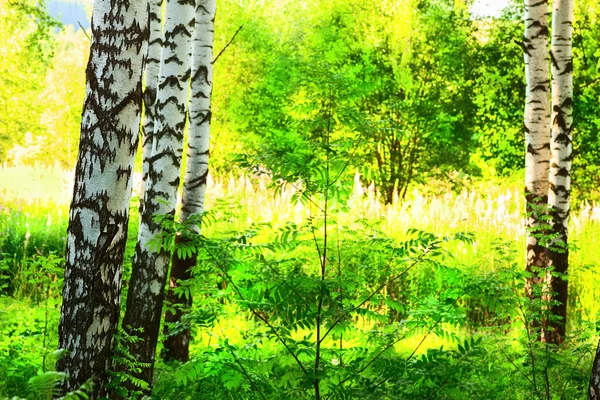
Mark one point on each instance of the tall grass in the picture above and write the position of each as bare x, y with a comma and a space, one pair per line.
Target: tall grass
34, 205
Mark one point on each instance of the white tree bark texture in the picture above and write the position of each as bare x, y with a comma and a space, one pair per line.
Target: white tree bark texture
152, 70
99, 212
559, 193
537, 129
149, 270
196, 168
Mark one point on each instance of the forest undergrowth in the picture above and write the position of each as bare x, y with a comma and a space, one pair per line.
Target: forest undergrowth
446, 318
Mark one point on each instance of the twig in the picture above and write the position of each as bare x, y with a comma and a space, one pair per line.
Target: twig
227, 45
84, 32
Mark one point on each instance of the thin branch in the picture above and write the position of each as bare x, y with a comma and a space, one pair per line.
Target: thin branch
303, 194
433, 327
254, 312
84, 32
245, 373
513, 363
285, 281
347, 378
369, 297
426, 335
227, 45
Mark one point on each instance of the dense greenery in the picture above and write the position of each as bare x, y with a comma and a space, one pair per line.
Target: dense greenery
462, 298
307, 280
419, 88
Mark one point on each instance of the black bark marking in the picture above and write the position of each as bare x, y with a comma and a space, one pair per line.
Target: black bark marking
541, 87
568, 68
524, 47
554, 62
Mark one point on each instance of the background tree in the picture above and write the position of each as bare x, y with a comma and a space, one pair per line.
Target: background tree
150, 264
394, 70
99, 213
176, 345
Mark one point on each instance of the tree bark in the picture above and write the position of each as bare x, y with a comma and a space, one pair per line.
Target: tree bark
151, 89
99, 212
150, 266
594, 388
537, 134
560, 166
196, 170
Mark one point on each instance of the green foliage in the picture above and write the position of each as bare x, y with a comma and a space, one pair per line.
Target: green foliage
27, 48
123, 383
26, 237
586, 88
28, 329
499, 95
345, 69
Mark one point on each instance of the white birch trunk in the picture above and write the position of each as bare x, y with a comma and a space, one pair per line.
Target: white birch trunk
146, 289
560, 164
152, 70
196, 169
99, 212
536, 127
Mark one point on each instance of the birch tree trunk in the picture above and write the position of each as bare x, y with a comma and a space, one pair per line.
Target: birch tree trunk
152, 70
560, 165
537, 133
149, 270
196, 168
99, 213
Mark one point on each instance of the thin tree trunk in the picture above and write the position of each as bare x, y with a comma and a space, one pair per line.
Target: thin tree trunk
560, 165
196, 169
150, 91
537, 134
99, 212
594, 388
150, 266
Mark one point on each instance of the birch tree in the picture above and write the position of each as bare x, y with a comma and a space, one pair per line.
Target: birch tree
150, 265
560, 165
537, 132
152, 70
196, 168
99, 212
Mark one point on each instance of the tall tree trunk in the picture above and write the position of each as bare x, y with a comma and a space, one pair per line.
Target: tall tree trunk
99, 212
150, 91
537, 133
594, 388
196, 168
560, 165
149, 270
